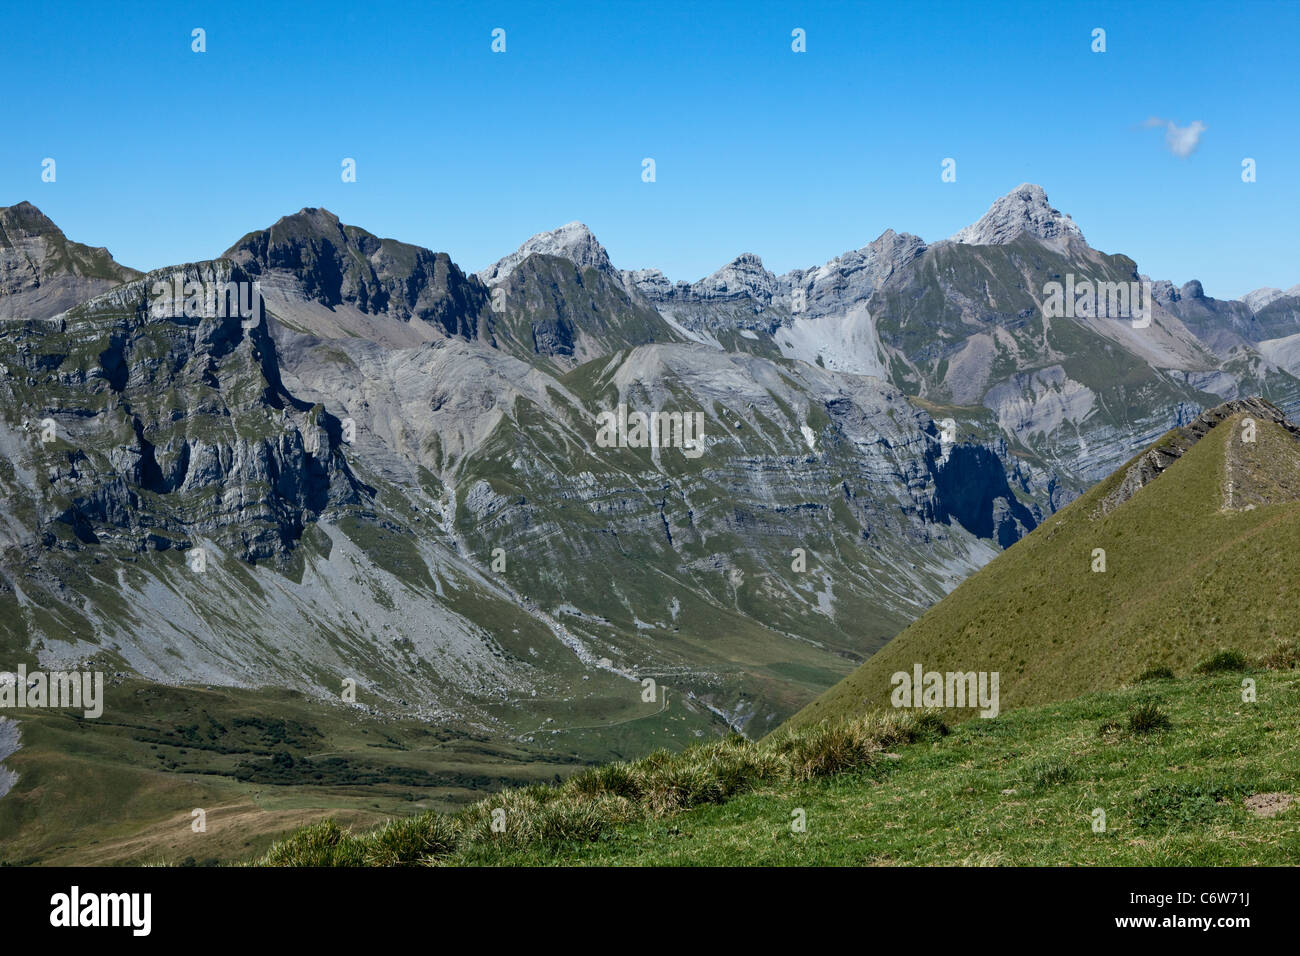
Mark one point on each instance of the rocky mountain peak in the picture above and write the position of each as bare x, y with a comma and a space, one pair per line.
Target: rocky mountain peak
1023, 210
853, 276
24, 221
742, 276
329, 262
43, 272
306, 225
317, 219
572, 241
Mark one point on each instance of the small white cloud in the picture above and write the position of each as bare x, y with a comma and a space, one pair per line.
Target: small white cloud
1181, 140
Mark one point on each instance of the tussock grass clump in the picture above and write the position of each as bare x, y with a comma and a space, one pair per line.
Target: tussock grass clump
321, 844
612, 779
830, 748
546, 818
1283, 657
1049, 772
1148, 718
520, 819
411, 841
1155, 673
1223, 661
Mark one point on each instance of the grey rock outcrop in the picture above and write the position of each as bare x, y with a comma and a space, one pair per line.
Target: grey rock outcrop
1260, 298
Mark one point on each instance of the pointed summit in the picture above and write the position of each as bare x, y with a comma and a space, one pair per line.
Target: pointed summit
23, 221
572, 241
852, 276
309, 222
1023, 210
310, 218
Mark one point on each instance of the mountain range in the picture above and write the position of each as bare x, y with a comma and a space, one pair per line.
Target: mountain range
392, 472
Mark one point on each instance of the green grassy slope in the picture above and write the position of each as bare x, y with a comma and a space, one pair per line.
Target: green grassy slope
1215, 785
1183, 577
121, 788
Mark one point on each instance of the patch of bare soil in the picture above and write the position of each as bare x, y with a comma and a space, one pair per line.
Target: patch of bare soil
1268, 804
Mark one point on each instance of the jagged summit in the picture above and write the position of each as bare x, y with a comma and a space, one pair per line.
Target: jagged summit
309, 222
742, 276
572, 241
315, 217
855, 274
1024, 209
24, 220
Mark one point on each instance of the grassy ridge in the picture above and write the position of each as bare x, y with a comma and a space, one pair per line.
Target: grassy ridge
1175, 766
1184, 577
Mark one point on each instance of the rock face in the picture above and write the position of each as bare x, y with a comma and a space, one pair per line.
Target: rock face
1024, 210
42, 273
823, 290
742, 278
8, 746
854, 276
163, 431
560, 313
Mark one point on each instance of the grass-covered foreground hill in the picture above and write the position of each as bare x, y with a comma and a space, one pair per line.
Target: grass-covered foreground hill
1191, 547
1169, 771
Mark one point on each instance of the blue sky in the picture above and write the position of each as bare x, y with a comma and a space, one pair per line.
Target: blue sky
165, 155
